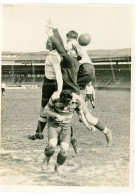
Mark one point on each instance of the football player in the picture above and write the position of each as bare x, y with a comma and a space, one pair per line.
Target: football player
59, 111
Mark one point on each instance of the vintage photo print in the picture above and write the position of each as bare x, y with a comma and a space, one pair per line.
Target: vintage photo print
67, 93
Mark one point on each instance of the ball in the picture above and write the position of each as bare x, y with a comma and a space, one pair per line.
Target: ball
84, 39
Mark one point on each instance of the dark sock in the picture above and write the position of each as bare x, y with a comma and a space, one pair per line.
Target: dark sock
61, 159
40, 127
49, 152
71, 131
100, 126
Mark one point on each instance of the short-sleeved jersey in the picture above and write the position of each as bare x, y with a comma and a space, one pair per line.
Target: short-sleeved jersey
56, 105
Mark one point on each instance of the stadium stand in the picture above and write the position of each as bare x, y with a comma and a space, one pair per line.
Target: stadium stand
113, 68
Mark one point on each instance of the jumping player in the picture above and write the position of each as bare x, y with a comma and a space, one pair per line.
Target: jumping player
52, 82
86, 71
59, 111
73, 64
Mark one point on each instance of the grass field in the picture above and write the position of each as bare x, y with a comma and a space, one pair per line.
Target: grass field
94, 165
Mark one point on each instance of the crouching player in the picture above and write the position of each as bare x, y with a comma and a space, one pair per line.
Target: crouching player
59, 111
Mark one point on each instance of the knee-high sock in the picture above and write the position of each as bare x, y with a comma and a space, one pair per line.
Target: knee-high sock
41, 124
61, 159
49, 152
93, 120
100, 126
40, 127
71, 131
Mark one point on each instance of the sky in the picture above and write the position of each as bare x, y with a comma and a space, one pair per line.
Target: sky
23, 25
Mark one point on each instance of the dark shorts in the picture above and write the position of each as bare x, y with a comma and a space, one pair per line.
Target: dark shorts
86, 74
48, 88
55, 129
3, 90
89, 97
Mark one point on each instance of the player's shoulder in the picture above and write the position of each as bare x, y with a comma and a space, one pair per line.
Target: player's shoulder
55, 54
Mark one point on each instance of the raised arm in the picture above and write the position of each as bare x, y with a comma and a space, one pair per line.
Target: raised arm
61, 50
57, 35
59, 45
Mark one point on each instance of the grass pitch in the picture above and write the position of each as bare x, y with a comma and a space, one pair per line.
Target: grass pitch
94, 165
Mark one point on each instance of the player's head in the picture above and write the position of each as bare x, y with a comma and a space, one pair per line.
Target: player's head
49, 45
66, 97
71, 35
90, 83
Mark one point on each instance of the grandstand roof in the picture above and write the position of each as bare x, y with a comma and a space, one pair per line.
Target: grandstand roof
94, 55
22, 56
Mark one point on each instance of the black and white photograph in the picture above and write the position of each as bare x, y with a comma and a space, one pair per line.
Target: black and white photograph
67, 92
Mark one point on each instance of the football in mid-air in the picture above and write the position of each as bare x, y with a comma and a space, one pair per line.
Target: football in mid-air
84, 39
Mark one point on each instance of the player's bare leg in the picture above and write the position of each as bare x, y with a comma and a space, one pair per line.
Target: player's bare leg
100, 126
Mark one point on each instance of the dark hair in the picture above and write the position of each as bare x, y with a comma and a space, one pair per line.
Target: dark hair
66, 96
52, 44
72, 34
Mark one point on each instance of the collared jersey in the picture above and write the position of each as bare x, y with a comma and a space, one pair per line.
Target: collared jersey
56, 105
80, 50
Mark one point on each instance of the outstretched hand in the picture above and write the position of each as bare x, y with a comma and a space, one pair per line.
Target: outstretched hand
48, 31
50, 24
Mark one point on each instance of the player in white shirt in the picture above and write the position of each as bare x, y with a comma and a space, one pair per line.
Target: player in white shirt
86, 71
89, 94
52, 82
3, 88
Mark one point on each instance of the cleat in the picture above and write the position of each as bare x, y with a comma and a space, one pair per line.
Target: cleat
39, 136
73, 141
109, 138
45, 163
93, 107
